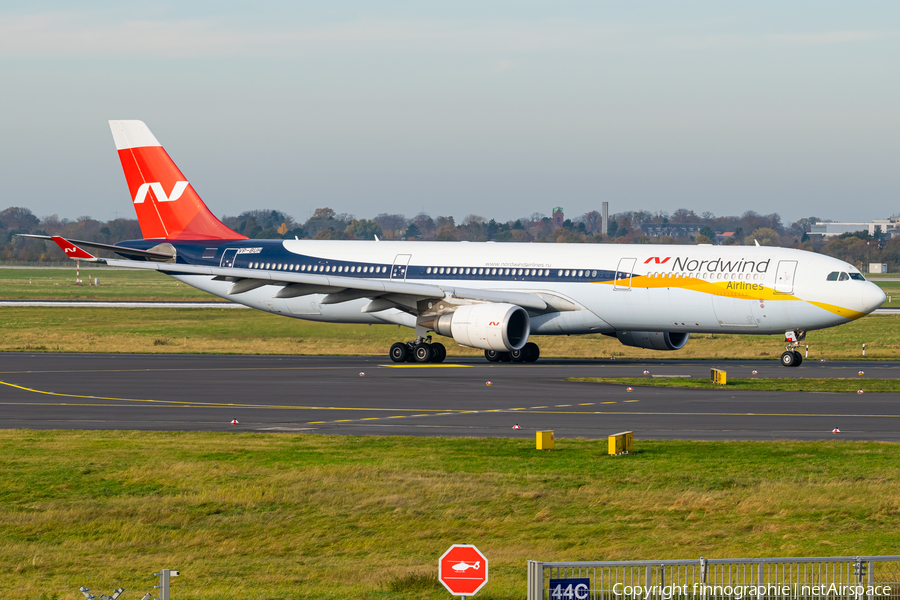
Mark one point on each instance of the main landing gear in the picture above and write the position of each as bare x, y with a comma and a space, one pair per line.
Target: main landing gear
529, 353
420, 351
792, 358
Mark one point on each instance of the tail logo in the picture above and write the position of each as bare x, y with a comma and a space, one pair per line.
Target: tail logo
158, 191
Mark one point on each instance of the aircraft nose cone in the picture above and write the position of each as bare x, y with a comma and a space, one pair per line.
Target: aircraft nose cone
872, 297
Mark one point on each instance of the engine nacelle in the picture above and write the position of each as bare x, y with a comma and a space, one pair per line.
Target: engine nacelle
500, 327
653, 340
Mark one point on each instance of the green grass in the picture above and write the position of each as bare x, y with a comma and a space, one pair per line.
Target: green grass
235, 331
760, 385
297, 516
59, 284
892, 289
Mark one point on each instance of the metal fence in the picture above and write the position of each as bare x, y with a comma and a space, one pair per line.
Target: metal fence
831, 578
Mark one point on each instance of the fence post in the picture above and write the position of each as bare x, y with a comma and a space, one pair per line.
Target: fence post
703, 568
535, 580
871, 589
760, 581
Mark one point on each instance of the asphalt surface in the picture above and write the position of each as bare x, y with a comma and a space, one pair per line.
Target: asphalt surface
329, 395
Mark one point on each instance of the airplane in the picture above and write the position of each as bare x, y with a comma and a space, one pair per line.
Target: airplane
485, 295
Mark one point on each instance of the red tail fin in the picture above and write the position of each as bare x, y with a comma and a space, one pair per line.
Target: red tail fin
166, 204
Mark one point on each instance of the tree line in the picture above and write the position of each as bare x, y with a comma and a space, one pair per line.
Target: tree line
631, 227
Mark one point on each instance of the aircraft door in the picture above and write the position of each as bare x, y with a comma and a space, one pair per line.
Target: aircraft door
623, 274
398, 270
228, 257
784, 277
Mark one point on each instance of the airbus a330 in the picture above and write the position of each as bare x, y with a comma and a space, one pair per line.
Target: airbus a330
486, 295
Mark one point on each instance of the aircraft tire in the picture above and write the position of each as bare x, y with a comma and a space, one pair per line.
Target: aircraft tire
423, 353
399, 352
532, 352
492, 355
438, 353
517, 356
505, 357
798, 358
788, 359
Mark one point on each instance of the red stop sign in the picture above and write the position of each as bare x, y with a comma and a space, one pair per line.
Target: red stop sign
463, 569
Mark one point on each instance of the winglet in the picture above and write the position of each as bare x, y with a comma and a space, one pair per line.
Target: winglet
71, 250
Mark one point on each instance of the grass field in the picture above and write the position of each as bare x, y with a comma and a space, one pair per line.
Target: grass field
115, 284
758, 385
295, 516
196, 330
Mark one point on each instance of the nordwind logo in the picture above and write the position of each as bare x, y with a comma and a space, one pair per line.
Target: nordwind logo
158, 191
658, 261
494, 324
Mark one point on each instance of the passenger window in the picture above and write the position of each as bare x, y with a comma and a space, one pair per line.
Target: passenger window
844, 277
567, 272
593, 273
481, 271
857, 277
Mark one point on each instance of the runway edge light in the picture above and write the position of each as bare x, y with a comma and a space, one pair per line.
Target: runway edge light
621, 443
544, 440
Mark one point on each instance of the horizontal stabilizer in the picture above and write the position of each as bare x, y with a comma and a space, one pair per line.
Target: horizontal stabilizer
98, 246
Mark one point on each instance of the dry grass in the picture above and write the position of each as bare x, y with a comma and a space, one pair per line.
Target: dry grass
230, 331
295, 516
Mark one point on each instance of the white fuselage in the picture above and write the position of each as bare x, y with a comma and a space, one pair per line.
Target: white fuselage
603, 288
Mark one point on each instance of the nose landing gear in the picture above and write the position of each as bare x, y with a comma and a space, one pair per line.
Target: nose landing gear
790, 357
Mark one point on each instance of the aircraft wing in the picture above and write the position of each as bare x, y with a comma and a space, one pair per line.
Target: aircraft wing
339, 289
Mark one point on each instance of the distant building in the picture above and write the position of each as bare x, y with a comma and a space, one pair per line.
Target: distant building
878, 268
671, 229
891, 227
558, 217
725, 235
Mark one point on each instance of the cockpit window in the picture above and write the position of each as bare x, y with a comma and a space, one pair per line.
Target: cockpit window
833, 276
857, 277
844, 277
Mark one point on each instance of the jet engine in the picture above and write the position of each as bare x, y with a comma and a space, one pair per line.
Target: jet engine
500, 327
654, 340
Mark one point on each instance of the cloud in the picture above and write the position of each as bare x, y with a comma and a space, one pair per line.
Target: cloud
502, 65
829, 37
88, 34
93, 34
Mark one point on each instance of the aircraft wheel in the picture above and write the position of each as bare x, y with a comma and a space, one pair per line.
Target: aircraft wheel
438, 353
788, 359
505, 357
532, 352
798, 358
492, 355
517, 355
399, 352
423, 353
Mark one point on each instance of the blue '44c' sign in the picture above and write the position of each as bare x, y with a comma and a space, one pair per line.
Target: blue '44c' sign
570, 589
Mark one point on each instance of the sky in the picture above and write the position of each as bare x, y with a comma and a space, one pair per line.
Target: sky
500, 109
